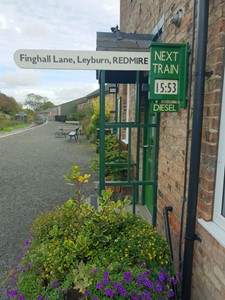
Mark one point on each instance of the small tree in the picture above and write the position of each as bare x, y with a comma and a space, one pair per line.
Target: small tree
9, 105
37, 102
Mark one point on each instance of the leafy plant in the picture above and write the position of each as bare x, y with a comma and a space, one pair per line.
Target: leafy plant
75, 246
115, 158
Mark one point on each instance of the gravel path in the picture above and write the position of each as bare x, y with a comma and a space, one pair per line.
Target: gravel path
32, 165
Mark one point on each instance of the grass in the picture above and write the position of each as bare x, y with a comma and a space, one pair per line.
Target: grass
13, 127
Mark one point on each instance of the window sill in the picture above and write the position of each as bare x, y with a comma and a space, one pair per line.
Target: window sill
125, 141
217, 232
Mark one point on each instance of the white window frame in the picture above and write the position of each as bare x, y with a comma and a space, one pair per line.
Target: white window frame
218, 218
217, 226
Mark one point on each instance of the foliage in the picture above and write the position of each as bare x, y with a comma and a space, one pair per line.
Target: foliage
114, 159
122, 281
96, 116
8, 105
91, 130
78, 247
8, 123
81, 114
37, 102
94, 122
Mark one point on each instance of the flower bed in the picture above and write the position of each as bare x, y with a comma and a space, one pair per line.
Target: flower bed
103, 254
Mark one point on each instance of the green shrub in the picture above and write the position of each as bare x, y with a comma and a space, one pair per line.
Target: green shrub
78, 247
114, 159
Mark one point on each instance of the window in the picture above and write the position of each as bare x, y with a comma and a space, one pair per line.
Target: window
219, 202
217, 227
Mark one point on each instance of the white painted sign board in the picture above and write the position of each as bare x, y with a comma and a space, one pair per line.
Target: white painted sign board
82, 60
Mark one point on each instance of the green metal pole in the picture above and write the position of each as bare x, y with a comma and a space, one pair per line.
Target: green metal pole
102, 133
156, 150
137, 121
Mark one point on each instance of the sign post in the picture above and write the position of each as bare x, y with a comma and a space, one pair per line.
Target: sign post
167, 67
82, 60
168, 72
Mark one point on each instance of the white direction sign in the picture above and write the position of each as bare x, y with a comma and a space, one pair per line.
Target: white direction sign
82, 60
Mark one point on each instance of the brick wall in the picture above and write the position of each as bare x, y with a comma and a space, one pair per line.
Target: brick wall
139, 16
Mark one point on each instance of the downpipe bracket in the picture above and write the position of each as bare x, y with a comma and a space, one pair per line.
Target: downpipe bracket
195, 238
208, 74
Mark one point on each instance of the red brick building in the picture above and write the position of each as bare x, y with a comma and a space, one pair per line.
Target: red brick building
181, 22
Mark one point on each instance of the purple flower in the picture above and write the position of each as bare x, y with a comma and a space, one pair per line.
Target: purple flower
151, 286
121, 288
55, 284
179, 274
139, 277
158, 289
161, 277
99, 286
147, 293
95, 298
139, 282
95, 270
22, 298
105, 281
134, 297
123, 293
146, 282
170, 294
106, 274
86, 293
39, 297
12, 293
169, 278
143, 265
28, 266
116, 285
109, 293
127, 276
163, 271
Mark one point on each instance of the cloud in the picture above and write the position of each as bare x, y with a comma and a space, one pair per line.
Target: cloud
78, 91
12, 79
56, 25
55, 95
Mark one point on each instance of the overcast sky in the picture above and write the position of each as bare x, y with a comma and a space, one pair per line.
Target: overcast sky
55, 25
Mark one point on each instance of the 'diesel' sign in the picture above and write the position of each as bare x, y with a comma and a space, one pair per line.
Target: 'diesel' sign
168, 72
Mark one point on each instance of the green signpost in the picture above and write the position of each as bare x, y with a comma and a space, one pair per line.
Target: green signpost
168, 73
